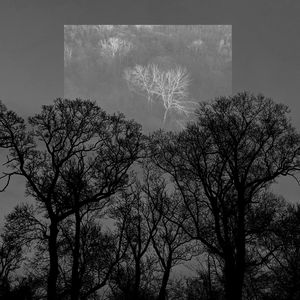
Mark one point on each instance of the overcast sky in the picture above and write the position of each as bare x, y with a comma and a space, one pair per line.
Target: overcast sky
266, 50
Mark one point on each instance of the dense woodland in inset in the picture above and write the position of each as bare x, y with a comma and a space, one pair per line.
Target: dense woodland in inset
124, 66
116, 211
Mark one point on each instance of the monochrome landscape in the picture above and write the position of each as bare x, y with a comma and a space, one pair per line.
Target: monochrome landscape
150, 179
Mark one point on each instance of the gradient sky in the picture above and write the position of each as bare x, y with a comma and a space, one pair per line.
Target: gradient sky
266, 50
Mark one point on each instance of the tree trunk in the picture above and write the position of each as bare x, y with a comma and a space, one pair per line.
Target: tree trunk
137, 281
53, 271
163, 288
234, 278
233, 286
210, 289
240, 247
75, 287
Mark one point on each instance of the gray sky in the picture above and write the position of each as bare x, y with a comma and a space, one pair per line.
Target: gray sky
266, 50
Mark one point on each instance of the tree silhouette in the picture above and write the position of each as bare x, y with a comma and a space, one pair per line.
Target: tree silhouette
11, 258
68, 132
155, 242
220, 164
27, 228
130, 212
170, 243
283, 243
3, 114
99, 253
115, 211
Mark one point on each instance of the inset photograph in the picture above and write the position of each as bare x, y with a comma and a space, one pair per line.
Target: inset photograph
155, 74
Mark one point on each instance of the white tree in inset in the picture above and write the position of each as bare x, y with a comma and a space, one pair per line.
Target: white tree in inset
225, 47
196, 46
169, 86
115, 46
101, 28
67, 55
140, 80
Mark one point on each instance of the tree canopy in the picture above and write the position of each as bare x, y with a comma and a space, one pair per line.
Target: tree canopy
116, 212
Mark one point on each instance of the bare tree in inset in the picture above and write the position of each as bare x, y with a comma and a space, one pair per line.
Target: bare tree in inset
140, 80
168, 86
67, 55
115, 46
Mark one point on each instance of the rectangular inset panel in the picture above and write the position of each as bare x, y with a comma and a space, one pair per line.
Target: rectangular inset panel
155, 74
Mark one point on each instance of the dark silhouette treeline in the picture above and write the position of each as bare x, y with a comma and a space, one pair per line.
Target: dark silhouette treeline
113, 212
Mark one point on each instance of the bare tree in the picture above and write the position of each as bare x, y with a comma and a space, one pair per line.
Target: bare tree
168, 86
28, 228
282, 269
3, 136
69, 131
140, 79
169, 241
67, 55
94, 259
196, 47
130, 213
146, 211
99, 253
115, 46
221, 164
225, 46
11, 258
